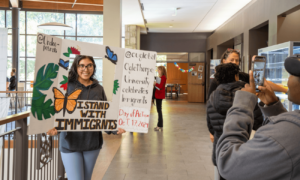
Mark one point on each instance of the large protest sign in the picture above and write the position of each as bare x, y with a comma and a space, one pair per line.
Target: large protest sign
52, 106
136, 91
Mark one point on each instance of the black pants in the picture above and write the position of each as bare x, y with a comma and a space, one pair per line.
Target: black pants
158, 108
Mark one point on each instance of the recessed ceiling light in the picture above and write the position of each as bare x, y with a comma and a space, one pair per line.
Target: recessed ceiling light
174, 11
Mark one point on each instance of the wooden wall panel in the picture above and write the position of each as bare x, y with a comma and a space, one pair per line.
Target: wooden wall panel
63, 6
4, 3
175, 76
100, 2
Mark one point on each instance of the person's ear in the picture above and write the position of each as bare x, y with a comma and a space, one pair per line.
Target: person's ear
223, 61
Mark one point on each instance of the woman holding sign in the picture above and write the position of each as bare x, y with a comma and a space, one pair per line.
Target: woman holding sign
160, 94
79, 150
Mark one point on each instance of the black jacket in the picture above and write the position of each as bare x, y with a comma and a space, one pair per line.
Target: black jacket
83, 141
217, 106
13, 83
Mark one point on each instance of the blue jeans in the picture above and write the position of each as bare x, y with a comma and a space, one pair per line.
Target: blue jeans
80, 165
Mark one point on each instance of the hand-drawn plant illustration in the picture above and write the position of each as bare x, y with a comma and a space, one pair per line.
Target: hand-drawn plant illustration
64, 83
43, 82
116, 86
71, 50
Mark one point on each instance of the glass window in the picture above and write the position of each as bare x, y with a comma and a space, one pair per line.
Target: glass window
22, 69
36, 18
8, 20
30, 69
71, 38
91, 40
22, 22
31, 46
2, 18
71, 21
22, 45
99, 71
9, 66
89, 25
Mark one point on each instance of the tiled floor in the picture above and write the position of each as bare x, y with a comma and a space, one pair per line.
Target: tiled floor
181, 151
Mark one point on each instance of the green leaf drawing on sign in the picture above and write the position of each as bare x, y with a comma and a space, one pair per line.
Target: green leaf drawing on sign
66, 54
116, 86
43, 82
69, 50
41, 109
65, 80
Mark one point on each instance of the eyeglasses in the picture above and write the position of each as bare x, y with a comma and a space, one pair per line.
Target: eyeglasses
82, 66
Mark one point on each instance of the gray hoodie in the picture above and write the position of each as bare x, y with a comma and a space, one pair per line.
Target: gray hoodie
219, 102
83, 141
273, 153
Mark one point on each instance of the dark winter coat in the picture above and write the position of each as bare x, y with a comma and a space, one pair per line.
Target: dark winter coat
83, 141
219, 103
13, 83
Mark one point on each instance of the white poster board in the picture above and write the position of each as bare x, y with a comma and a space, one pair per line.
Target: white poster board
52, 56
3, 60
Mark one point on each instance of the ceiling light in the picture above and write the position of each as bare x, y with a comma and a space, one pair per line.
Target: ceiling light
174, 11
55, 25
170, 26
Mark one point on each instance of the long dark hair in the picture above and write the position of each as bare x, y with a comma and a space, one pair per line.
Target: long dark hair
228, 52
73, 75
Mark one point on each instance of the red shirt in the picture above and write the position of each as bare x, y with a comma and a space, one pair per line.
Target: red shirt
160, 94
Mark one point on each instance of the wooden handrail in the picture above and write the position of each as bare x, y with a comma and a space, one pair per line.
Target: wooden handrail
16, 91
14, 117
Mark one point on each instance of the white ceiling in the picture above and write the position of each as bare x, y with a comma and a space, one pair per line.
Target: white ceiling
192, 15
132, 14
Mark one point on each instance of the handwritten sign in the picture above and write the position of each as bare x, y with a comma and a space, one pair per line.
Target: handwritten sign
136, 91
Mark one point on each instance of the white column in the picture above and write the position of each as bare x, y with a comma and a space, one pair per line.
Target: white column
112, 34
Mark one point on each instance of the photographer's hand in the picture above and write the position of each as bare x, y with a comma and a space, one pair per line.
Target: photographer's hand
250, 88
266, 94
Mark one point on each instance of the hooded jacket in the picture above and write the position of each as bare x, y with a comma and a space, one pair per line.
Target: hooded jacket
83, 141
219, 103
273, 153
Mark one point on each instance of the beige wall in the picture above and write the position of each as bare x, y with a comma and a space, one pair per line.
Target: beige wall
289, 27
254, 14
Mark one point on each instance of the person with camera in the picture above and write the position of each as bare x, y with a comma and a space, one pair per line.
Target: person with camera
273, 153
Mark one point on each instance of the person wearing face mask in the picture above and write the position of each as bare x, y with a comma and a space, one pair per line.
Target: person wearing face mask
273, 152
79, 150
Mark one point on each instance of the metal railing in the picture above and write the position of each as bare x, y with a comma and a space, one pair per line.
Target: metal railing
23, 157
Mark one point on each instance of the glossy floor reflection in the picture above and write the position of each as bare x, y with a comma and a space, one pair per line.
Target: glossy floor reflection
182, 151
